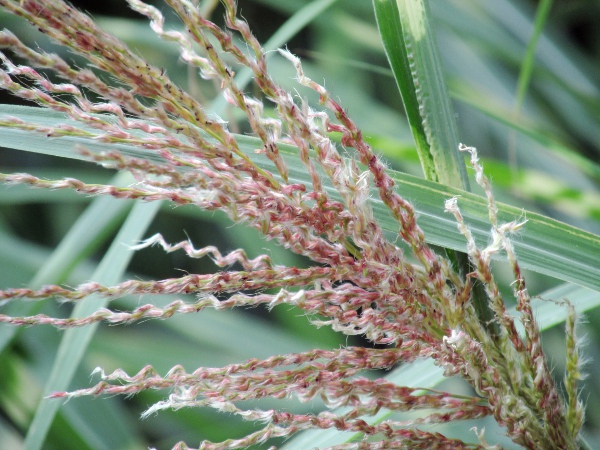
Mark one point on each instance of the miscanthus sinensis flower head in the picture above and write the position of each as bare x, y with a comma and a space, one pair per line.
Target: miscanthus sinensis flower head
360, 282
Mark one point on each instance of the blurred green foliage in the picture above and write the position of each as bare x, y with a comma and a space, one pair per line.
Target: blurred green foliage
542, 156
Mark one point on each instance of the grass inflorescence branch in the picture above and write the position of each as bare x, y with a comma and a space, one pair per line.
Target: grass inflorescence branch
359, 282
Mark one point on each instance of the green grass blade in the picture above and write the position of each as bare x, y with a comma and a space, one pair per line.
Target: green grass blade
546, 246
541, 17
390, 27
527, 66
412, 51
527, 127
75, 341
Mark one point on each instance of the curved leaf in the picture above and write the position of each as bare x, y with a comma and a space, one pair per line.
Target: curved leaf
412, 51
75, 341
545, 245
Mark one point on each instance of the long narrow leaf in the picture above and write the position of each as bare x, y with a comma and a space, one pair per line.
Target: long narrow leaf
546, 246
528, 62
75, 341
411, 48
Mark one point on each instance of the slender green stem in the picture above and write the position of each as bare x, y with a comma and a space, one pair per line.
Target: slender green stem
543, 11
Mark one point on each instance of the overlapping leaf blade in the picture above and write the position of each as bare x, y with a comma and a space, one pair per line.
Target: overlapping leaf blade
545, 245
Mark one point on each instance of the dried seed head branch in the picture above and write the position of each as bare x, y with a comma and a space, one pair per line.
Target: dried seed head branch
178, 197
403, 211
299, 123
220, 282
174, 109
530, 379
213, 66
573, 374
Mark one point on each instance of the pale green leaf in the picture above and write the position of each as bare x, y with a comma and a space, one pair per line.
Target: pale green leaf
411, 48
545, 245
75, 341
